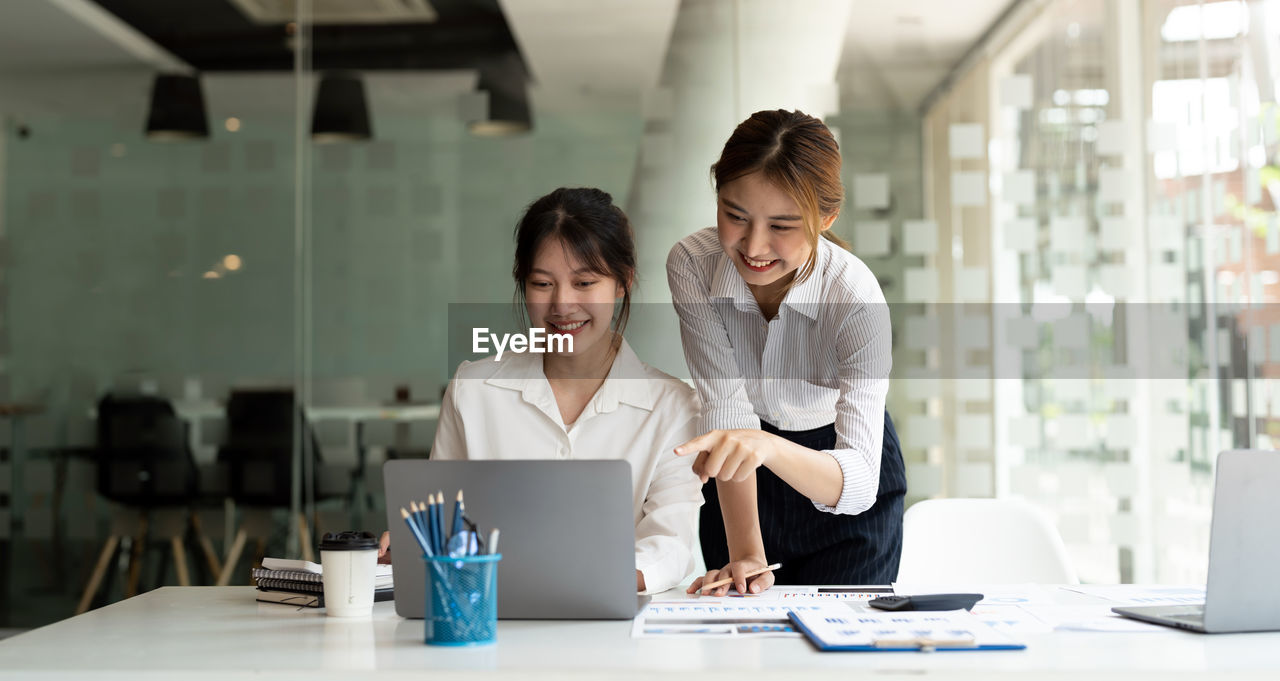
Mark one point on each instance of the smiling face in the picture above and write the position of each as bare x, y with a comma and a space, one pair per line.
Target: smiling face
762, 231
563, 296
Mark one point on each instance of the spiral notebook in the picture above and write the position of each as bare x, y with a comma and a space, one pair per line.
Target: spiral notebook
837, 627
383, 576
310, 600
291, 575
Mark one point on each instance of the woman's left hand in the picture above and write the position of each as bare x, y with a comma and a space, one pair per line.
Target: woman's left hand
384, 548
730, 455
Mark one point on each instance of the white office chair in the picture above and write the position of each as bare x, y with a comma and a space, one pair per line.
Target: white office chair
981, 541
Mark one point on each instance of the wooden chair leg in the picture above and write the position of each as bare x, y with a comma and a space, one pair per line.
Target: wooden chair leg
180, 561
304, 538
99, 570
233, 557
206, 546
259, 551
135, 559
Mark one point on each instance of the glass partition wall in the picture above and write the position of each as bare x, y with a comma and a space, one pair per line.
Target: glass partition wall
230, 262
146, 283
1113, 159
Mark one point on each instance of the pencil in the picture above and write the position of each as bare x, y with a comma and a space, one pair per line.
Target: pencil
458, 510
444, 538
442, 580
729, 580
413, 517
433, 518
420, 517
417, 533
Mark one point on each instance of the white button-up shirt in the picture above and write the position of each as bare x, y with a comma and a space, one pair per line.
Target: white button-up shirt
506, 410
825, 357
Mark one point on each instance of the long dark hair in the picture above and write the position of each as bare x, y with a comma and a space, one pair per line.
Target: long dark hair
797, 154
594, 230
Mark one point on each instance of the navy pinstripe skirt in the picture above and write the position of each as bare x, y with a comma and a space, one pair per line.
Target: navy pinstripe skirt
815, 547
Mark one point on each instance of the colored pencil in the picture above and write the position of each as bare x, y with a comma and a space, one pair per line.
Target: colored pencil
440, 532
417, 533
458, 510
433, 527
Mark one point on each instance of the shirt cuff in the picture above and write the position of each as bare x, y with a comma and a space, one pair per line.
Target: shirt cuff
728, 419
858, 493
656, 577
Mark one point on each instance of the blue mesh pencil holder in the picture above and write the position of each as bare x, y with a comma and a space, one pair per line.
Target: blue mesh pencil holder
462, 600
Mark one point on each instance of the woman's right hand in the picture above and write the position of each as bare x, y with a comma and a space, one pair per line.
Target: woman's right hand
384, 548
738, 570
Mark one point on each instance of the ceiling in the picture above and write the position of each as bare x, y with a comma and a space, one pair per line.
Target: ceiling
894, 53
218, 35
64, 36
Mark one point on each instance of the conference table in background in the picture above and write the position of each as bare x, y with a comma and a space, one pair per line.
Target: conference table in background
199, 413
352, 418
223, 633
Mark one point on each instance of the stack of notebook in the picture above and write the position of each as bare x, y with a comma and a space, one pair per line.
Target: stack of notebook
299, 583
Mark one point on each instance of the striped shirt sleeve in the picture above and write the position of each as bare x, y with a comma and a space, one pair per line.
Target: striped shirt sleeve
864, 346
707, 349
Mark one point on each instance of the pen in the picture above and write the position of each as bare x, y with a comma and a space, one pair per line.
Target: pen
474, 540
493, 541
462, 544
729, 580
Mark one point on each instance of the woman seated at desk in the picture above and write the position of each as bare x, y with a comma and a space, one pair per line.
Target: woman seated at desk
574, 268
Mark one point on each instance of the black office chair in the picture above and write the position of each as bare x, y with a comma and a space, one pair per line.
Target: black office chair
145, 466
258, 462
143, 458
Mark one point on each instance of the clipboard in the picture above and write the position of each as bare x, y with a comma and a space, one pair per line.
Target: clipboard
838, 628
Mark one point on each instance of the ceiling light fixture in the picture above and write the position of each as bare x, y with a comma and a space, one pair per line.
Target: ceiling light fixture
504, 80
177, 109
341, 113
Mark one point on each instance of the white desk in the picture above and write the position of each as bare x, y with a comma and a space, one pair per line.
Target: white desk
221, 632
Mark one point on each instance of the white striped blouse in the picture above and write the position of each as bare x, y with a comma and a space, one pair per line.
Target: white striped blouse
824, 358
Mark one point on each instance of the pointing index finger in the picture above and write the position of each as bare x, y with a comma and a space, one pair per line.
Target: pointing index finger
701, 443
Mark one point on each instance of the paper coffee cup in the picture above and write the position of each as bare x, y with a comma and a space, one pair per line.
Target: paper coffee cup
349, 560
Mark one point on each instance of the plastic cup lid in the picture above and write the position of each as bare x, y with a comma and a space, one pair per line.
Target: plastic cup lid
348, 541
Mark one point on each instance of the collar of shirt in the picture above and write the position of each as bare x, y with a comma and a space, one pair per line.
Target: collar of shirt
625, 383
804, 298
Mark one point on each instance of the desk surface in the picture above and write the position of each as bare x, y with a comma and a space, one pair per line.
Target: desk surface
221, 632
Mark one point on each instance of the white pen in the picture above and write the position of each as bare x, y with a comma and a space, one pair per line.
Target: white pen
493, 541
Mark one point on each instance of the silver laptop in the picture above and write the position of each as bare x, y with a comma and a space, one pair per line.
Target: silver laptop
567, 534
1242, 593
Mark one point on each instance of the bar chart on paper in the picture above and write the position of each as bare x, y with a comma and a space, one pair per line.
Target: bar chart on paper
703, 618
829, 593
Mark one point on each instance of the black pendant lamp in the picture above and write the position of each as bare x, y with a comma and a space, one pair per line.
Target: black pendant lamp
503, 79
341, 113
177, 109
